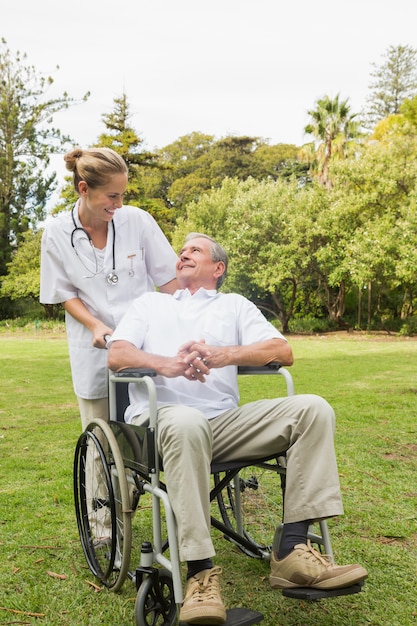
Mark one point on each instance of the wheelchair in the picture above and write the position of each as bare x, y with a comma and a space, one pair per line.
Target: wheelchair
117, 464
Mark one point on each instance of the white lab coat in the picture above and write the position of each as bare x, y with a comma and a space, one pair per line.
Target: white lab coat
140, 245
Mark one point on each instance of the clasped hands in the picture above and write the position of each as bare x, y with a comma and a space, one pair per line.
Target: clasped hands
195, 356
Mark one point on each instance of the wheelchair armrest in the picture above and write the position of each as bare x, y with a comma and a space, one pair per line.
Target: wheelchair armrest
134, 372
139, 372
118, 389
271, 368
259, 369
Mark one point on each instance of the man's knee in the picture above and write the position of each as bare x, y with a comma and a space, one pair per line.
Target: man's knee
316, 409
183, 426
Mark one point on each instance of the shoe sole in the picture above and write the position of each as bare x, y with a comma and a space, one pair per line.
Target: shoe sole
207, 621
350, 578
196, 617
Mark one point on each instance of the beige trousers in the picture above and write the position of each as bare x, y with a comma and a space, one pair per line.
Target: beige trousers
301, 425
93, 410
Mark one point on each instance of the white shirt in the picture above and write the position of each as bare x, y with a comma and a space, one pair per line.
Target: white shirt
143, 258
160, 324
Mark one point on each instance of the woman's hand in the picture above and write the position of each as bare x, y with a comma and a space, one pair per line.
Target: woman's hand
101, 332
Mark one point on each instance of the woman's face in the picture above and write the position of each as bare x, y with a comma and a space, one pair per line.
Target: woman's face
102, 202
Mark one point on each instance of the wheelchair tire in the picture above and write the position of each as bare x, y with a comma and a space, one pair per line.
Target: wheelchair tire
102, 501
155, 603
254, 511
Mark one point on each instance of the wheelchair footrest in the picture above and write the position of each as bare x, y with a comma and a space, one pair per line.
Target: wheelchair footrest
240, 617
307, 593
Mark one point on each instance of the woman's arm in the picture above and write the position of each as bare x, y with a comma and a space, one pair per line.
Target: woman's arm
77, 309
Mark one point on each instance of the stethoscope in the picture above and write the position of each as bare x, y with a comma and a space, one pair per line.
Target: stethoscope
111, 278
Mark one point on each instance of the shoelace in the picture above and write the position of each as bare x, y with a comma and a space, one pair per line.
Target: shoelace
310, 552
207, 586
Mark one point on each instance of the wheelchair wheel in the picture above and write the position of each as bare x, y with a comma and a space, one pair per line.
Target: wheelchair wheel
102, 504
251, 505
155, 604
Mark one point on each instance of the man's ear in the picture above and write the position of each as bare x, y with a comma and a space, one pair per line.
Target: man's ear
220, 269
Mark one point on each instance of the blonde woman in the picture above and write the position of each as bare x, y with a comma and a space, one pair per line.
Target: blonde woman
95, 260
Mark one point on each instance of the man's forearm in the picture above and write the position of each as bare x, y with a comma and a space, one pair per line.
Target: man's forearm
262, 353
123, 354
256, 354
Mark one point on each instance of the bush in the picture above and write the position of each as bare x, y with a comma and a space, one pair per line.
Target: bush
29, 325
310, 325
409, 327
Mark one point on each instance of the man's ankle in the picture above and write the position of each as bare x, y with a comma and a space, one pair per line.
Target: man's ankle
193, 567
293, 534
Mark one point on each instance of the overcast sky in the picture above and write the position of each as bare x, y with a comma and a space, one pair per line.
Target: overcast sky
241, 67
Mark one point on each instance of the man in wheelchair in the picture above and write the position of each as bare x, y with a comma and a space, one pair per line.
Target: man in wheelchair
194, 340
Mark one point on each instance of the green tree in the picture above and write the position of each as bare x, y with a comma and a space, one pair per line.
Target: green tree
268, 230
280, 161
371, 229
27, 139
22, 280
120, 136
123, 138
197, 163
392, 82
22, 283
333, 127
408, 110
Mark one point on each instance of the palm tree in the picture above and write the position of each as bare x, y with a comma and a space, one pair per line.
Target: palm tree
332, 126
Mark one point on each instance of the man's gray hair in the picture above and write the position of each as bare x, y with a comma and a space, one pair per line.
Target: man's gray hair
217, 254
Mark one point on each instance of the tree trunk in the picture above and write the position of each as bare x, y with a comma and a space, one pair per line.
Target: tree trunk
285, 312
336, 303
369, 305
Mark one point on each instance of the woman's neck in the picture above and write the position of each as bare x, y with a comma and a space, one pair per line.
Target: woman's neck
95, 227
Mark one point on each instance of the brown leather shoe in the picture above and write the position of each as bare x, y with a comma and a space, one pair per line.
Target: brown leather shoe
202, 603
307, 567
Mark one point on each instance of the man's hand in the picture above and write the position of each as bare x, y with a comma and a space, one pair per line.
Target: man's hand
189, 365
211, 356
194, 355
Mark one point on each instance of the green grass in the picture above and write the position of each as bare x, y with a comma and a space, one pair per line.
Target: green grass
370, 382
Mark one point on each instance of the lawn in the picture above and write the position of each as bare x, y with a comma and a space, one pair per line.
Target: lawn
370, 381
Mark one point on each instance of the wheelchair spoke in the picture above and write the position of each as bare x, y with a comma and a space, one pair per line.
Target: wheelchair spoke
251, 505
102, 508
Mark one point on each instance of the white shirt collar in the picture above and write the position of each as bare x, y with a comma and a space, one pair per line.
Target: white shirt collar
182, 294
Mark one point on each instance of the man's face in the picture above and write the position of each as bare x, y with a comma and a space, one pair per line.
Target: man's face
195, 267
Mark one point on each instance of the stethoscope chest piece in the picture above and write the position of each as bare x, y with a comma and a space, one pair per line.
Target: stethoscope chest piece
112, 278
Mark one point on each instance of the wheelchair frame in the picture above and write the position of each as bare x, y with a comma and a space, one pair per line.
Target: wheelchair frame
129, 467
